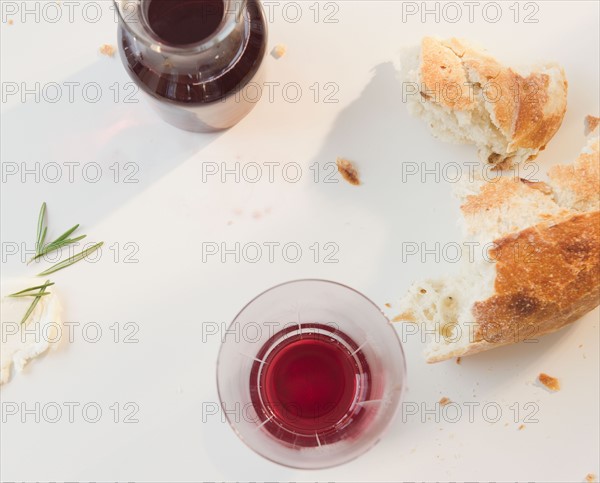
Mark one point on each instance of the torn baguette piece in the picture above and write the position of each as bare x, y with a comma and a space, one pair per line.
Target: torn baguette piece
467, 97
535, 268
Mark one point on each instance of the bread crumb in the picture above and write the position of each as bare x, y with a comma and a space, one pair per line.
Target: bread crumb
348, 171
590, 477
521, 428
580, 346
591, 123
108, 50
279, 51
388, 305
10, 21
458, 360
550, 382
444, 401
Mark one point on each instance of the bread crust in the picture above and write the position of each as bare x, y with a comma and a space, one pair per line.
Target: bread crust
443, 75
500, 192
527, 110
547, 276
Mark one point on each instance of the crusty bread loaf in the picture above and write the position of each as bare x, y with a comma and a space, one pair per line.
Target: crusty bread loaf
536, 265
468, 97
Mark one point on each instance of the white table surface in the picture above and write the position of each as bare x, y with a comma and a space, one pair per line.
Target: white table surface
171, 294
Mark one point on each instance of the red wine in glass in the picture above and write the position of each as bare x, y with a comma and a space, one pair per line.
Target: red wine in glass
310, 374
308, 384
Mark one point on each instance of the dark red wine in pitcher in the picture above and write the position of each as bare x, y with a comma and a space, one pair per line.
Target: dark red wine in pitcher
194, 57
307, 385
181, 22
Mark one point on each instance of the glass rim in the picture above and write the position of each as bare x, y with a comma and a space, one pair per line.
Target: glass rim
232, 12
383, 430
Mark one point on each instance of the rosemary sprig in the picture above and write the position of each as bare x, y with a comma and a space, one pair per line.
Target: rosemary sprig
62, 241
71, 260
37, 287
41, 249
38, 297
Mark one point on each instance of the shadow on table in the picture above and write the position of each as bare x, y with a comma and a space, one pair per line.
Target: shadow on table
105, 132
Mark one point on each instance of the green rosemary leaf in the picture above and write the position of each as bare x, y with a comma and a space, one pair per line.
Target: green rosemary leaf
30, 295
55, 245
65, 234
47, 284
41, 243
40, 227
35, 302
71, 260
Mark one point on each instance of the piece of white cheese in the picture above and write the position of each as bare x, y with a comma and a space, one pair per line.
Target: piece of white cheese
19, 343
